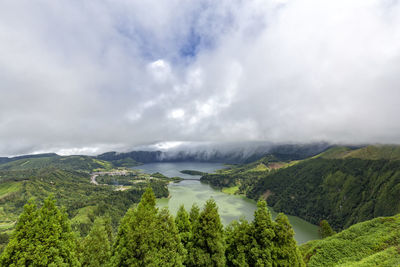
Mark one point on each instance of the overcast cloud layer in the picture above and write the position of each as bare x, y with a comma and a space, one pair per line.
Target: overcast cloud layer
89, 76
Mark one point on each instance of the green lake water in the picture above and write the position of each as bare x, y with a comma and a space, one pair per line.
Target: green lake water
230, 207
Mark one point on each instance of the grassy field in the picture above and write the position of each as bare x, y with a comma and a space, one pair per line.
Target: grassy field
230, 190
259, 168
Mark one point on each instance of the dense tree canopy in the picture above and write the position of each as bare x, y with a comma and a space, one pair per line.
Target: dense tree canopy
148, 236
42, 238
184, 228
208, 238
96, 246
240, 241
285, 252
325, 229
263, 242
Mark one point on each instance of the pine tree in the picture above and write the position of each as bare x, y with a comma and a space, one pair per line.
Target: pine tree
19, 250
96, 246
182, 223
184, 228
121, 248
208, 238
325, 229
140, 237
170, 251
263, 230
42, 238
190, 249
239, 241
194, 214
286, 252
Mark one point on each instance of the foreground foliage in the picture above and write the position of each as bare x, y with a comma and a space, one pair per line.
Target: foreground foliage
371, 243
207, 246
42, 238
148, 236
96, 246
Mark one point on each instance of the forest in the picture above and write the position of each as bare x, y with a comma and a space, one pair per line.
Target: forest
148, 236
341, 185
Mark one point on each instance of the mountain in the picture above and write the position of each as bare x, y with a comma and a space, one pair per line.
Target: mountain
132, 158
9, 159
225, 153
76, 163
371, 152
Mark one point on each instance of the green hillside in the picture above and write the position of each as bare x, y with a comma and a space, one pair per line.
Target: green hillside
69, 180
240, 174
372, 243
342, 185
72, 189
371, 152
76, 163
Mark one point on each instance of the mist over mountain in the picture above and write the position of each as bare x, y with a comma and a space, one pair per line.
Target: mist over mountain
137, 72
242, 152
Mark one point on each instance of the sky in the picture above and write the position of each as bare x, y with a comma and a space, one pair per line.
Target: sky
84, 77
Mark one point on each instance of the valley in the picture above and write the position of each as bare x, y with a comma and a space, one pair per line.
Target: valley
230, 207
349, 187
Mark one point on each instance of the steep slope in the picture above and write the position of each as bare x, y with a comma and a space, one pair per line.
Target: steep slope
343, 185
372, 243
343, 191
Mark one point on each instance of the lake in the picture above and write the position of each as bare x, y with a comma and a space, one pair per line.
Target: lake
230, 207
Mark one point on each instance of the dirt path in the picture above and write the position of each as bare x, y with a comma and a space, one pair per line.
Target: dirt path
93, 179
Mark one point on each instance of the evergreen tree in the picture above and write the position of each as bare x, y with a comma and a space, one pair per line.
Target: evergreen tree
239, 241
194, 214
325, 229
140, 237
208, 238
184, 228
96, 246
170, 250
190, 249
42, 238
263, 230
20, 248
121, 248
286, 252
182, 223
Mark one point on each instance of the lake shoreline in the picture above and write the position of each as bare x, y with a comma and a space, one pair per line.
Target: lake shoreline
230, 206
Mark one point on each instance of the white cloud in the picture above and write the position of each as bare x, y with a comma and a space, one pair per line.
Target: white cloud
120, 73
160, 70
177, 114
